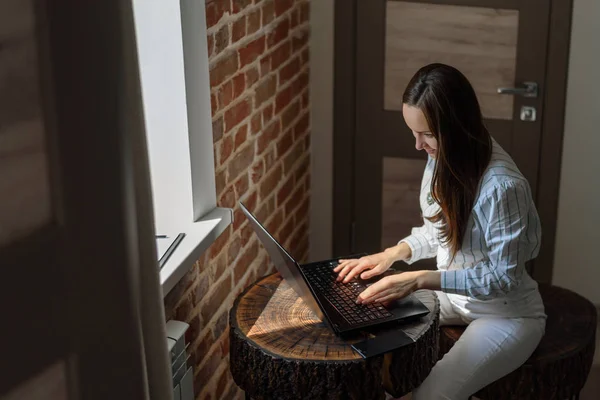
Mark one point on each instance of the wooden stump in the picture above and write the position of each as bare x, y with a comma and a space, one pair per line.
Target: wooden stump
559, 367
280, 350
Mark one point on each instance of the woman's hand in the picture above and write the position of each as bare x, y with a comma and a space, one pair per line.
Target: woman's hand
371, 265
394, 287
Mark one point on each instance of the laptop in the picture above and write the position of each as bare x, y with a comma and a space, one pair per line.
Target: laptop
333, 302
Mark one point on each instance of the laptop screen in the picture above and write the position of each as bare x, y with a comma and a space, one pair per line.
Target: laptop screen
285, 263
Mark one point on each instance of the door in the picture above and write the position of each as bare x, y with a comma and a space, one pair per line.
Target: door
70, 229
495, 43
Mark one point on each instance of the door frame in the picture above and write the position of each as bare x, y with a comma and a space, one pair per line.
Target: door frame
344, 129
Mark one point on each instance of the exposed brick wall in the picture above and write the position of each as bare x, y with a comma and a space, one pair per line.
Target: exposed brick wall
259, 77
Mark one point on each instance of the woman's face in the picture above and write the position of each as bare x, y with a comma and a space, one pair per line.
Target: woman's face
415, 119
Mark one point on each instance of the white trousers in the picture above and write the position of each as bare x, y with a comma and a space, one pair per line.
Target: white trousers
489, 349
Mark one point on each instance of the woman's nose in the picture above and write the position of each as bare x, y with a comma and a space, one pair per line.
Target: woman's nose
419, 143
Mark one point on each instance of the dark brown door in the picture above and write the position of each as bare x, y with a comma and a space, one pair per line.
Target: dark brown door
495, 43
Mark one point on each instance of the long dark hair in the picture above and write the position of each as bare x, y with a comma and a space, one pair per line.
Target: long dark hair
450, 105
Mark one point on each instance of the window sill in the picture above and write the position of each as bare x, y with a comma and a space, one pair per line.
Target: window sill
198, 237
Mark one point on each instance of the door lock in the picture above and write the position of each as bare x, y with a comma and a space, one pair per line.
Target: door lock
528, 113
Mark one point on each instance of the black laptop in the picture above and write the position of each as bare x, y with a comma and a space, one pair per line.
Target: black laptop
316, 284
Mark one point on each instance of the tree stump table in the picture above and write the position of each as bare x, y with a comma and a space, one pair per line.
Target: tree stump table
280, 350
559, 367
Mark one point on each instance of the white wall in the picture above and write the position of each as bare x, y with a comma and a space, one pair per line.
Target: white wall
576, 262
321, 111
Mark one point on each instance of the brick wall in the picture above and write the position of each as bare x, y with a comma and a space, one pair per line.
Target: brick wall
259, 77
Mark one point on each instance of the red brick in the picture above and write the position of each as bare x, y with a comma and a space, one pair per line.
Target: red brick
210, 42
280, 32
289, 71
280, 55
246, 234
282, 99
217, 128
237, 113
225, 149
252, 51
302, 211
201, 347
223, 69
253, 23
223, 382
270, 182
285, 143
258, 170
300, 40
304, 56
302, 169
294, 200
184, 309
213, 104
269, 134
227, 199
225, 344
220, 181
265, 90
268, 13
216, 247
214, 12
238, 30
300, 83
250, 201
294, 18
305, 99
240, 136
287, 229
266, 209
285, 190
290, 114
265, 66
238, 219
268, 114
282, 6
304, 11
241, 185
270, 159
307, 141
239, 85
256, 124
216, 298
301, 126
251, 77
201, 288
226, 94
297, 237
220, 324
241, 161
233, 251
221, 39
275, 222
244, 262
293, 156
239, 5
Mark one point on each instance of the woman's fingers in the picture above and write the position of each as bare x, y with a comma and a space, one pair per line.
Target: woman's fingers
382, 285
378, 269
376, 297
342, 264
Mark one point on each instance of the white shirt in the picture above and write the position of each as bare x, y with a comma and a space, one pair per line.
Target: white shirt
487, 275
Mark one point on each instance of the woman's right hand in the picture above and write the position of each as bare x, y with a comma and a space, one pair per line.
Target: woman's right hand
371, 265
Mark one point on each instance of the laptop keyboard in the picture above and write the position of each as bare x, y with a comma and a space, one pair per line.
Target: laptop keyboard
343, 295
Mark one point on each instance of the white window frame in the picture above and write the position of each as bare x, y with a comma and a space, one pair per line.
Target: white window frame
174, 73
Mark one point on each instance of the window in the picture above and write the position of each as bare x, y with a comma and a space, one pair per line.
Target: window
173, 59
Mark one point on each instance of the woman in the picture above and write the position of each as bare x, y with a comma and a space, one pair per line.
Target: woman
481, 224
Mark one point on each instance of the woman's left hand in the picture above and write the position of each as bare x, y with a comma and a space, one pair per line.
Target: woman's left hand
391, 288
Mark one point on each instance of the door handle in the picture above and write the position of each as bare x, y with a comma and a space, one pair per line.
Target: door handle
529, 89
